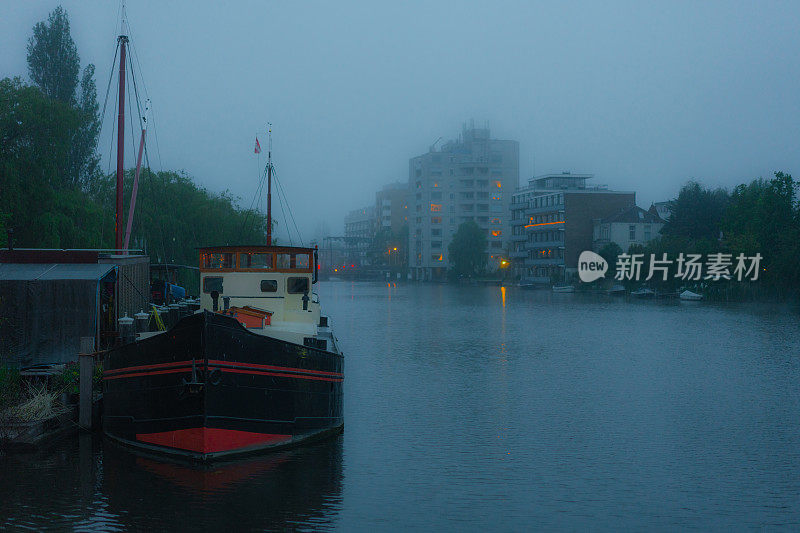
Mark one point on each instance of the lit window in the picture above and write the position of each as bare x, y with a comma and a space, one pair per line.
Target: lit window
259, 261
301, 261
498, 184
496, 233
436, 207
218, 260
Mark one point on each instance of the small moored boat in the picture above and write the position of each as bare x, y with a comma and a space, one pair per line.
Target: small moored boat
617, 290
643, 292
690, 296
563, 288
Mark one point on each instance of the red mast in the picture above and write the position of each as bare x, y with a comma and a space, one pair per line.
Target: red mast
120, 140
269, 189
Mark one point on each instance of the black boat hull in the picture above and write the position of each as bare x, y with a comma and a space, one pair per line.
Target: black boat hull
209, 388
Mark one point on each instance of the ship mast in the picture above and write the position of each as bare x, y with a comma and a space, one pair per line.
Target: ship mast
269, 186
122, 39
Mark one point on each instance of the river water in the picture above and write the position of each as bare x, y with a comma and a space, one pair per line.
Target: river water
475, 408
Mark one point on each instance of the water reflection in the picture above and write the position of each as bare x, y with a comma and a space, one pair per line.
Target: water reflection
118, 489
280, 490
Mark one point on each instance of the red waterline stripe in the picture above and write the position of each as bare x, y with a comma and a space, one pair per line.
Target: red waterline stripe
135, 374
147, 367
210, 440
256, 372
269, 367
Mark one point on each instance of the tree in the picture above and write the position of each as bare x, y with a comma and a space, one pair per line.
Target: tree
610, 252
84, 158
53, 62
54, 65
697, 213
36, 135
467, 250
763, 217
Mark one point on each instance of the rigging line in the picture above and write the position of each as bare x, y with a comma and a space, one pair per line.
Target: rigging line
250, 209
141, 72
153, 198
108, 87
291, 214
105, 200
155, 137
136, 93
282, 191
285, 220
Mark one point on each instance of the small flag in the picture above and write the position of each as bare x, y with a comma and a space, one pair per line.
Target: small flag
258, 147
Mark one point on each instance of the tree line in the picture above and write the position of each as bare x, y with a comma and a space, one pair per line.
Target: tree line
52, 191
760, 217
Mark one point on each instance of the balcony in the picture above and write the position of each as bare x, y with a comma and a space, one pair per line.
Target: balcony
544, 244
522, 254
547, 209
544, 261
519, 238
519, 222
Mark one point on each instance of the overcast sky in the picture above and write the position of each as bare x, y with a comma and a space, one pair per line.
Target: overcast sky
643, 95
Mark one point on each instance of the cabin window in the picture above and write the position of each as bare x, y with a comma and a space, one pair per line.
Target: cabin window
297, 285
284, 261
269, 285
301, 261
259, 261
212, 283
218, 260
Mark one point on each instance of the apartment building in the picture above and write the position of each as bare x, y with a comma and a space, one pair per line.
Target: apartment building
471, 178
359, 230
391, 206
552, 222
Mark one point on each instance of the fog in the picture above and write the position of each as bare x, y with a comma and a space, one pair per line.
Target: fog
643, 96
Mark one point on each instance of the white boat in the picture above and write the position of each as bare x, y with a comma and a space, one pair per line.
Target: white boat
643, 293
617, 289
563, 288
691, 296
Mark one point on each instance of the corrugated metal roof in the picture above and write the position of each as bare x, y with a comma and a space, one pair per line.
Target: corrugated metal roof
52, 271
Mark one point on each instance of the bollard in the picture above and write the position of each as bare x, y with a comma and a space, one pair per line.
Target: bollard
163, 312
86, 359
142, 320
126, 333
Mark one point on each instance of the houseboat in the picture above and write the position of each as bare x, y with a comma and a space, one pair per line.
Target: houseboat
256, 367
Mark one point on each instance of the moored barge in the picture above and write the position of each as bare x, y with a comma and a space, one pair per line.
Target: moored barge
256, 367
